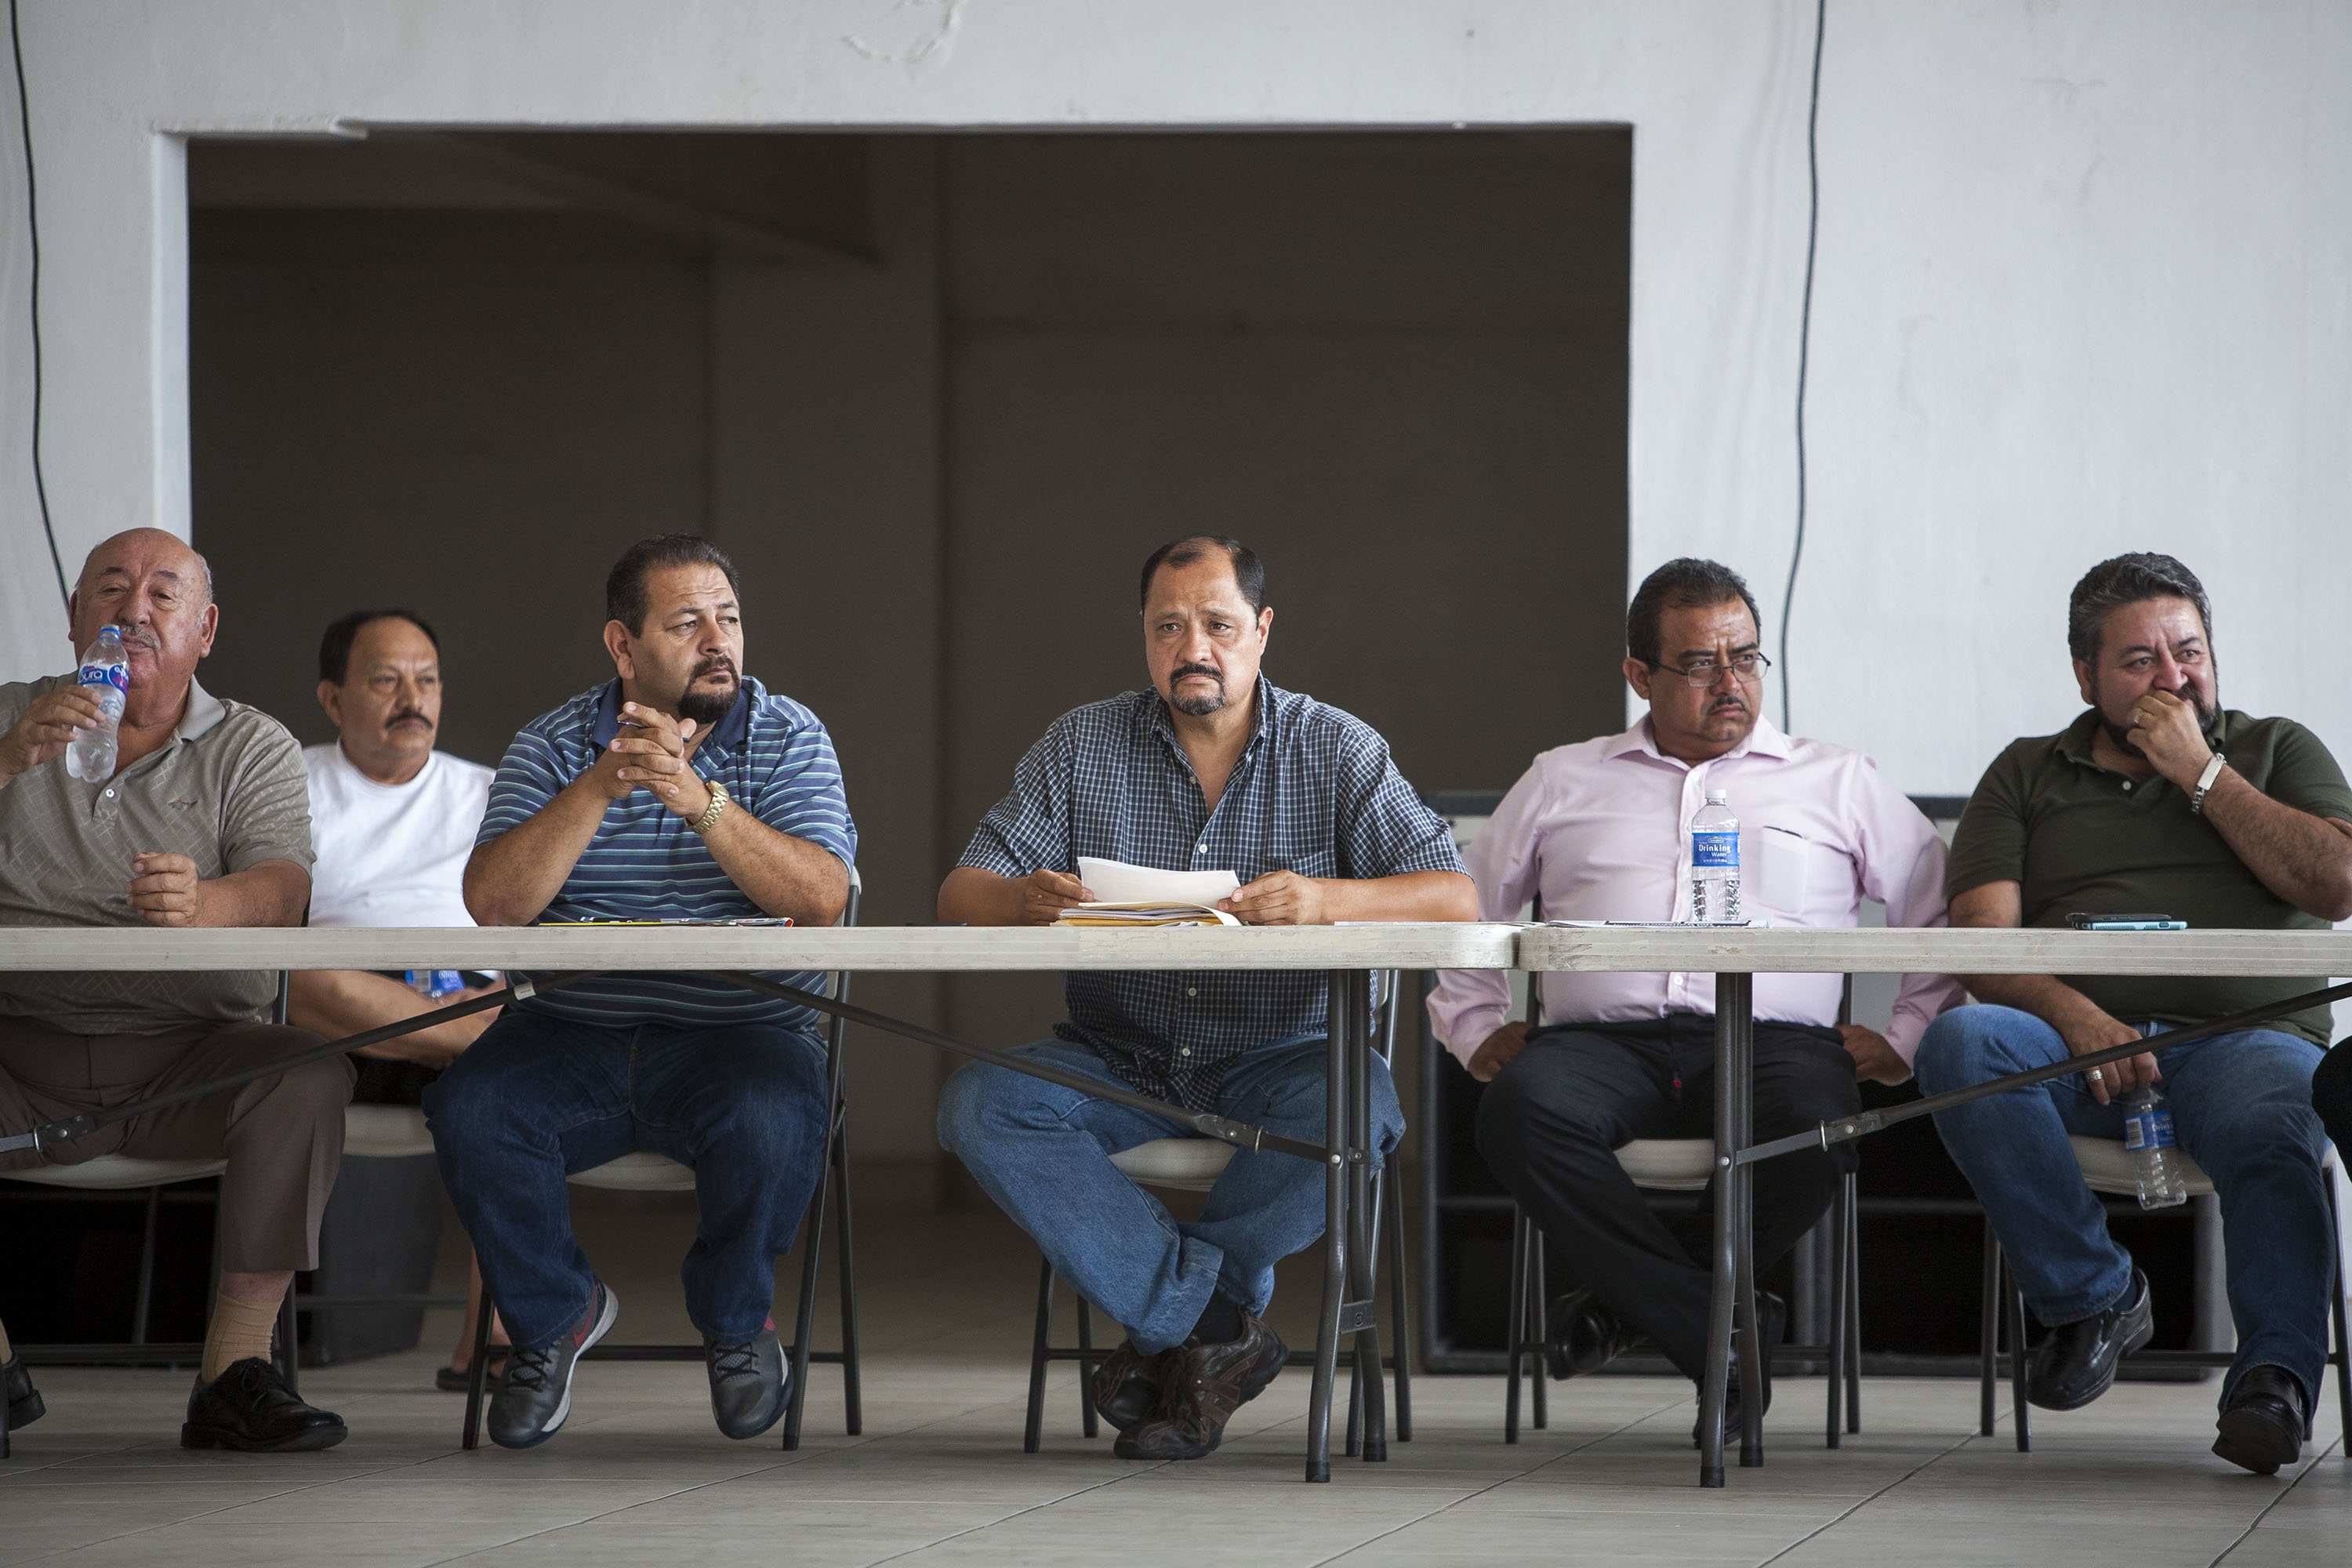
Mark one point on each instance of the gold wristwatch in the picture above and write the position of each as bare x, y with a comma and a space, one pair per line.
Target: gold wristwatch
719, 799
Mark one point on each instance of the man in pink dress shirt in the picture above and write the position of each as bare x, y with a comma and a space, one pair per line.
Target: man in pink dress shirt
1601, 831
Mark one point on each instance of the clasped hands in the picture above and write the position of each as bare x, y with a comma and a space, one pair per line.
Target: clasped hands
650, 753
1277, 899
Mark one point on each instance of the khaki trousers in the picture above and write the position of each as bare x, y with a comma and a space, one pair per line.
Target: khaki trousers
282, 1136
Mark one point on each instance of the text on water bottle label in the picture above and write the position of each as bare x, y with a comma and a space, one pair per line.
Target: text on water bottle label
1715, 848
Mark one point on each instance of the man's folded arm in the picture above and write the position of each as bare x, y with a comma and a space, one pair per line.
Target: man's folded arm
1903, 866
268, 893
1469, 1004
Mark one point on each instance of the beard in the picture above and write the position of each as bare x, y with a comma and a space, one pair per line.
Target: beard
706, 705
1201, 705
2120, 733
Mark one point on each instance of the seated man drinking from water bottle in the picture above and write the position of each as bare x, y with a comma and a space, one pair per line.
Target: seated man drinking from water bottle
195, 816
2155, 801
1604, 830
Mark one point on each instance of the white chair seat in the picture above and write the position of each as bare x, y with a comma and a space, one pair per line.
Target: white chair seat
385, 1132
113, 1173
1669, 1164
2107, 1167
640, 1171
1188, 1164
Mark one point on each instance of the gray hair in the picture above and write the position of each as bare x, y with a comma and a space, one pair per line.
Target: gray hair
2127, 580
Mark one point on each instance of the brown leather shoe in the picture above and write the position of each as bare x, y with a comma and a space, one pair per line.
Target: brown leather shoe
1126, 1388
1200, 1389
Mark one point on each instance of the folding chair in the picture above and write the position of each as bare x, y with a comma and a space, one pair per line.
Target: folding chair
2107, 1169
645, 1172
122, 1174
1687, 1166
1193, 1165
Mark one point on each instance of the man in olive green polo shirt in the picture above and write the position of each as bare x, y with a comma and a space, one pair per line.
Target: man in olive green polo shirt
2159, 801
204, 822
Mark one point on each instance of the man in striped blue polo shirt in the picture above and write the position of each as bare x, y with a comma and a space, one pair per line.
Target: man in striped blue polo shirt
1214, 768
680, 790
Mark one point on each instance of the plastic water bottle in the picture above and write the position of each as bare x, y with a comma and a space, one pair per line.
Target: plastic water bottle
1715, 863
2148, 1134
105, 675
435, 984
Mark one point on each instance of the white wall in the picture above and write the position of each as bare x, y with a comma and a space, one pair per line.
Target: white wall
2083, 283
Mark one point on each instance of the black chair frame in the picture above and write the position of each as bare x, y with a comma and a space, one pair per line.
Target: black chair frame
1529, 1311
285, 1351
833, 1182
1388, 1233
2004, 1304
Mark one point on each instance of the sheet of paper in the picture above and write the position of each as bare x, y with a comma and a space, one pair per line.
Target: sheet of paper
1116, 882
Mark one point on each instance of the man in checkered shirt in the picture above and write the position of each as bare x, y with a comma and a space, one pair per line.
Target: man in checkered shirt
1213, 769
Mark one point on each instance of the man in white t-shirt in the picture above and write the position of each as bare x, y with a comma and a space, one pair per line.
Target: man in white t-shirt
393, 822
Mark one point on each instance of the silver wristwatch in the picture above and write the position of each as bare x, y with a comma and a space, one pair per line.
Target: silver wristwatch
2205, 781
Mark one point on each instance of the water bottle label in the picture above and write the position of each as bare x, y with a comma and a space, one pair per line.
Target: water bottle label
1715, 848
2148, 1129
117, 676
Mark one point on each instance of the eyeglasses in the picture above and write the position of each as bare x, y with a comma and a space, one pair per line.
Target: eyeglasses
1701, 673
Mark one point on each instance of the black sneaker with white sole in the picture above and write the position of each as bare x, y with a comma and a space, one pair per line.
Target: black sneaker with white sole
532, 1407
750, 1382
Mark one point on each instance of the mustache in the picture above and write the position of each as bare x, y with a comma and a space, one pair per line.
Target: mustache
1181, 670
137, 636
404, 715
715, 665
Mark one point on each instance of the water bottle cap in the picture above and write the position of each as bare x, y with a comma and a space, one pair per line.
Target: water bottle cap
1718, 796
110, 631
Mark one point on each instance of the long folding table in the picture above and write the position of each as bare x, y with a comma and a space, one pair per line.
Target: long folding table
1347, 954
1735, 955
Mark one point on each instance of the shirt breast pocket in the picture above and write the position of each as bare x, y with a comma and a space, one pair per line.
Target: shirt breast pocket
1321, 862
1788, 874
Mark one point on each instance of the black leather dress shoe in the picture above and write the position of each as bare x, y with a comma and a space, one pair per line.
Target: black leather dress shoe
249, 1408
2263, 1424
1581, 1335
1127, 1385
1772, 1317
24, 1405
2075, 1362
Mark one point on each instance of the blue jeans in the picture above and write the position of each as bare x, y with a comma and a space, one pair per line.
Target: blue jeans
2241, 1109
538, 1097
1044, 1152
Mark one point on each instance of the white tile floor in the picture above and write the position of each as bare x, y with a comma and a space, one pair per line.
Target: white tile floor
639, 1475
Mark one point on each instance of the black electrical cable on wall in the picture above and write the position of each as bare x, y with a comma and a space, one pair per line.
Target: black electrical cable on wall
1804, 340
33, 232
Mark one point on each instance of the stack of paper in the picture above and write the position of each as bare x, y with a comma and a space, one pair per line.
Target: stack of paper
1145, 896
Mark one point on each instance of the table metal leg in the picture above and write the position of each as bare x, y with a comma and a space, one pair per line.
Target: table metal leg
1364, 1292
1733, 1299
1335, 1230
1713, 1390
1736, 1082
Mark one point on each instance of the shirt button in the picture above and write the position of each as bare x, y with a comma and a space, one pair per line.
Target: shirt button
1184, 1051
1201, 848
1191, 991
2126, 785
109, 794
